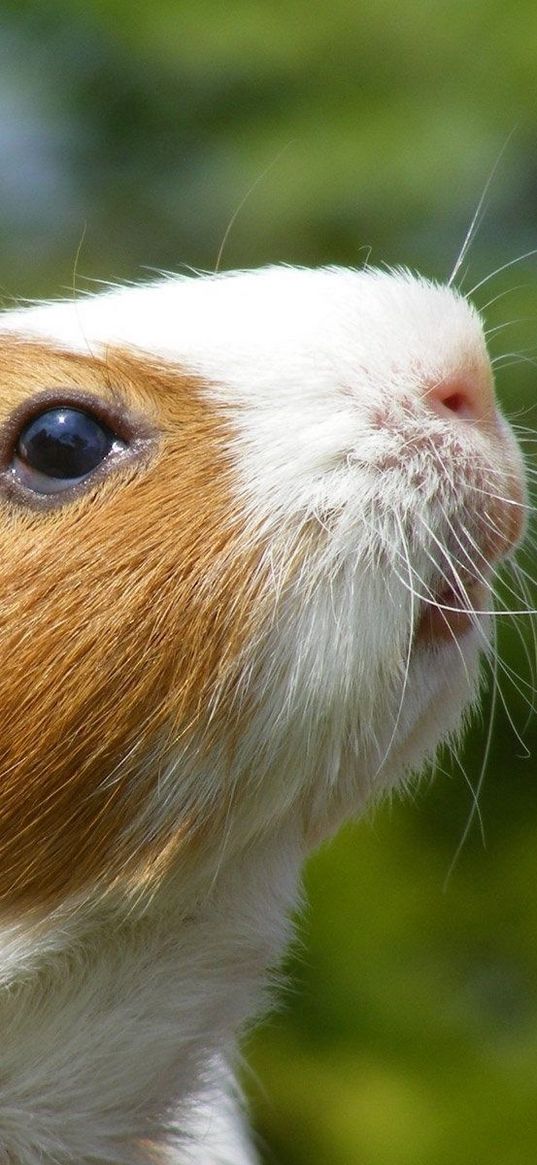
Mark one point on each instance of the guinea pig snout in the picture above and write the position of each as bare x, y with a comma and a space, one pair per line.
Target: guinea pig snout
468, 399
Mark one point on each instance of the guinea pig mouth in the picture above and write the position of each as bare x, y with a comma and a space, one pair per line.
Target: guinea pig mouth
453, 611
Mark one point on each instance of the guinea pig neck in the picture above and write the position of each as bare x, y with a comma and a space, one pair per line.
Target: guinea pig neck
118, 1024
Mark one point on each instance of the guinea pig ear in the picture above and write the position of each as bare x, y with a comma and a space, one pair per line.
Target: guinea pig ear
124, 619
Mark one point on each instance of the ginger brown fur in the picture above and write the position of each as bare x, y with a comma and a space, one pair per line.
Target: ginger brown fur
82, 703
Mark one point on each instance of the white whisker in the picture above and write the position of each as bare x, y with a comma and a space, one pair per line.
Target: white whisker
476, 792
498, 270
408, 654
476, 217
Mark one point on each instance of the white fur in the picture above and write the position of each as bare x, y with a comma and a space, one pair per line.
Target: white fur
115, 1014
121, 1023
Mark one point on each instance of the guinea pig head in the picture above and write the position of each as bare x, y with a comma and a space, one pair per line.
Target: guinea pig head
257, 583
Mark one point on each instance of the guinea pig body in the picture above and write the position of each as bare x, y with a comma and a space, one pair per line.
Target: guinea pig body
264, 603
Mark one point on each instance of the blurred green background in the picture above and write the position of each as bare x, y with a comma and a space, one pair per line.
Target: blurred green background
130, 134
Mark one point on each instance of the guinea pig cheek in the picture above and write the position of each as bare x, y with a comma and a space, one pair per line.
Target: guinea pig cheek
122, 621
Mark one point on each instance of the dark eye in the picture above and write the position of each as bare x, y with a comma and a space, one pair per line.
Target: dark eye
60, 447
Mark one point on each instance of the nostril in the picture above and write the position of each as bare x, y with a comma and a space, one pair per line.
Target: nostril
468, 398
458, 403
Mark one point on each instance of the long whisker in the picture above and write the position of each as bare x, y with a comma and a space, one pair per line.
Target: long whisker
260, 178
531, 660
489, 332
408, 654
504, 267
487, 493
514, 358
482, 577
474, 224
480, 780
501, 295
513, 677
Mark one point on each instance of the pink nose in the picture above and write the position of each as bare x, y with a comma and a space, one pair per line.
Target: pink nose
465, 396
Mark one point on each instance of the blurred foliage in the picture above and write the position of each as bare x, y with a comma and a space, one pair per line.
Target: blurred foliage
132, 136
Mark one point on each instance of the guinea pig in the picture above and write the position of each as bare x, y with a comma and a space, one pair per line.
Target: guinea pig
249, 525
